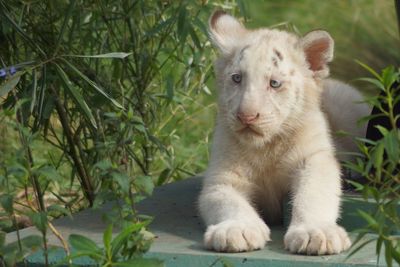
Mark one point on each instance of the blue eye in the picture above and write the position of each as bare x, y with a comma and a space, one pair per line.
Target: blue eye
236, 77
275, 83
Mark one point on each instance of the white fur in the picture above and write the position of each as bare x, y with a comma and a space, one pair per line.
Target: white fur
288, 150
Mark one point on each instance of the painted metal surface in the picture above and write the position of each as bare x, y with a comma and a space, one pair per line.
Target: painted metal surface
179, 232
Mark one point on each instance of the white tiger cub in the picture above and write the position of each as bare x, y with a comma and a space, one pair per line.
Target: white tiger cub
272, 138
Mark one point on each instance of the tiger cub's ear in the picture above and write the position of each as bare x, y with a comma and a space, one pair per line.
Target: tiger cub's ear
225, 31
318, 48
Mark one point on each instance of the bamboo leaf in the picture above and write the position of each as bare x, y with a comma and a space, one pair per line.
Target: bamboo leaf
10, 84
78, 98
120, 55
170, 87
93, 84
182, 24
34, 89
15, 25
64, 25
42, 92
242, 8
195, 38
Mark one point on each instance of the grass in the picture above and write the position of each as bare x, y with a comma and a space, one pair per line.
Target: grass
363, 30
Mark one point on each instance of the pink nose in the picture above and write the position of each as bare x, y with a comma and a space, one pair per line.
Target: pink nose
247, 118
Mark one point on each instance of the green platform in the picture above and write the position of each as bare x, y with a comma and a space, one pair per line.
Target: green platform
179, 233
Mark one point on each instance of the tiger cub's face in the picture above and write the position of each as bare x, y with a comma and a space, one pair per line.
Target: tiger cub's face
266, 77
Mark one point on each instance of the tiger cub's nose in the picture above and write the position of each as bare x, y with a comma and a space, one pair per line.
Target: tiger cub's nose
247, 118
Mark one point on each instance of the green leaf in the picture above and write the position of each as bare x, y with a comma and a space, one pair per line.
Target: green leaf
21, 32
382, 130
377, 155
354, 251
140, 128
163, 176
169, 87
368, 118
2, 239
182, 24
194, 37
34, 89
378, 248
140, 262
144, 184
93, 85
39, 220
392, 146
161, 26
396, 254
369, 69
64, 25
6, 202
123, 236
107, 236
49, 172
242, 10
373, 81
32, 242
357, 186
389, 76
388, 253
107, 55
42, 92
83, 244
58, 209
103, 165
6, 224
370, 220
226, 263
9, 84
122, 180
78, 98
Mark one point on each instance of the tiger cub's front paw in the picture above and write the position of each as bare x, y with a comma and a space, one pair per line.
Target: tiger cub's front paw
237, 236
302, 239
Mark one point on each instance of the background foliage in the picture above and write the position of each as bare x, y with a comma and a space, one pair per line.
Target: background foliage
378, 162
103, 99
93, 93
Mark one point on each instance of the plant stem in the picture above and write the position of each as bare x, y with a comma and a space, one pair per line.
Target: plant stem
84, 179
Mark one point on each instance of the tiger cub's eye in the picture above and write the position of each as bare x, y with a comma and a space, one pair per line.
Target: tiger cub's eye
236, 77
275, 84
